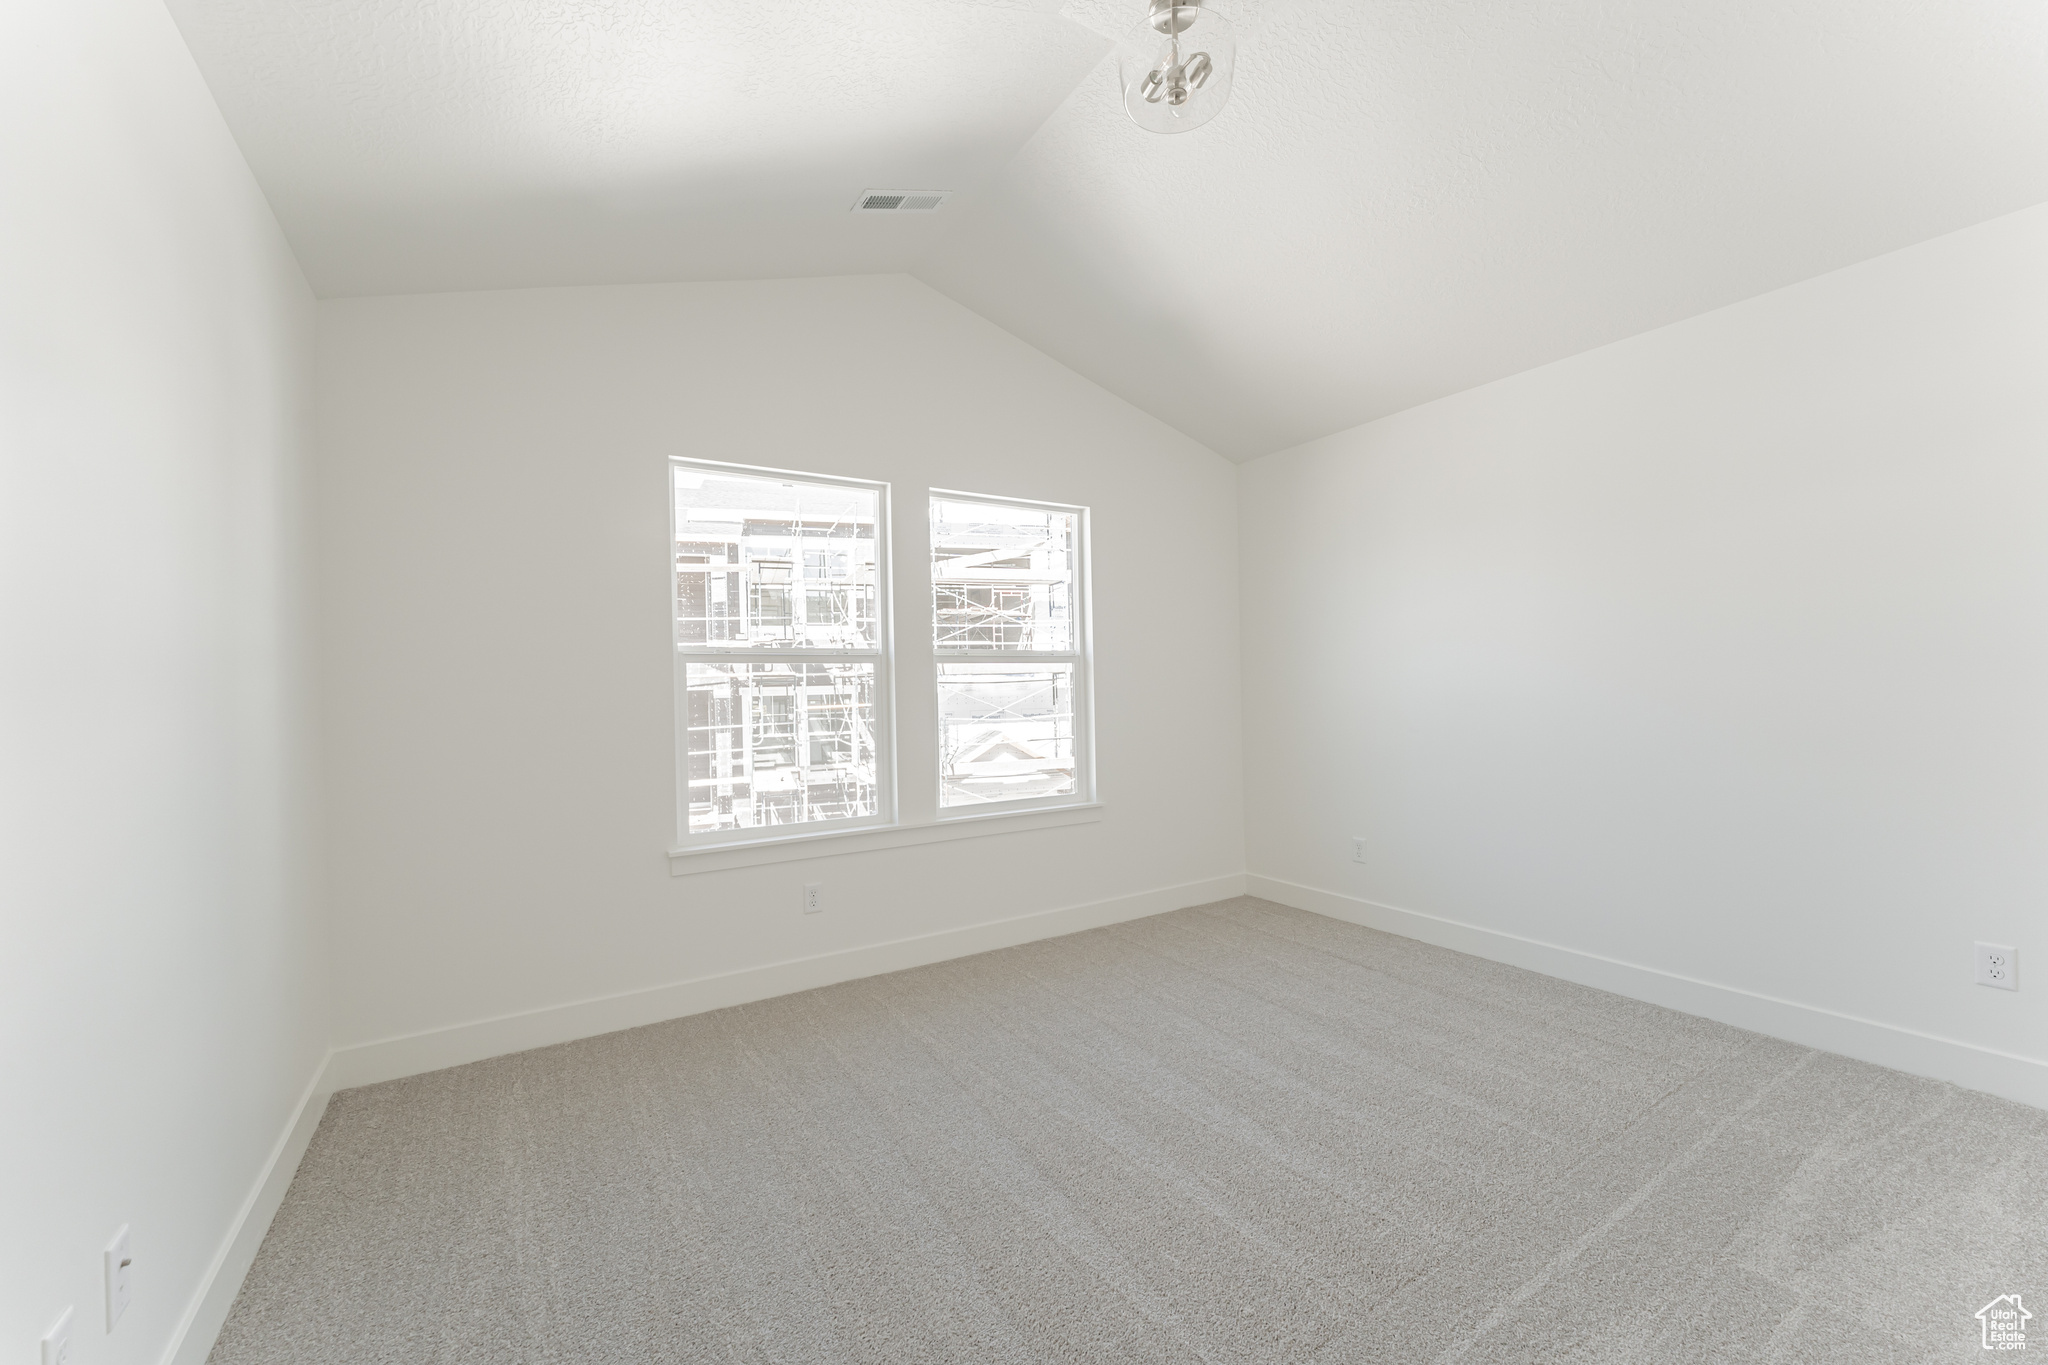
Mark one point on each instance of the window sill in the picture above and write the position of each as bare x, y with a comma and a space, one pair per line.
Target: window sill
683, 862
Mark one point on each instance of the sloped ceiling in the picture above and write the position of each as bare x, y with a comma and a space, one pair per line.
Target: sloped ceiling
1405, 197
414, 146
1410, 197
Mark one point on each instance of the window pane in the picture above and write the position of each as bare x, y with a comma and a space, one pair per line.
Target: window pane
773, 563
779, 743
1003, 576
1006, 732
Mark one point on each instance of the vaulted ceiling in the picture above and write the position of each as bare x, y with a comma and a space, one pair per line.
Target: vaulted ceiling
1404, 198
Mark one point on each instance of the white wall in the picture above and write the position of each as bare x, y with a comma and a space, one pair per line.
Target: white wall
160, 1010
496, 665
1721, 651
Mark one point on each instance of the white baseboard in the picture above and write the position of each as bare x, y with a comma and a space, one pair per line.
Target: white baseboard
391, 1058
1944, 1059
193, 1340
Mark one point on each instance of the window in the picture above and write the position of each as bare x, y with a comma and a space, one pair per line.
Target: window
1008, 593
783, 683
781, 638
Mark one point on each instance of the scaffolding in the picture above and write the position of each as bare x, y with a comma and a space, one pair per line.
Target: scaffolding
777, 601
1004, 624
774, 743
765, 569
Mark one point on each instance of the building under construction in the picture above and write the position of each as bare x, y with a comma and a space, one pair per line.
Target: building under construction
777, 597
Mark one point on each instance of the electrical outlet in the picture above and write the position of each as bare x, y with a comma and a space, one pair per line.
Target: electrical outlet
1358, 850
1998, 964
57, 1342
120, 1264
813, 894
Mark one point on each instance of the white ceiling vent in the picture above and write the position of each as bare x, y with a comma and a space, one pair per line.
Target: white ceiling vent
899, 201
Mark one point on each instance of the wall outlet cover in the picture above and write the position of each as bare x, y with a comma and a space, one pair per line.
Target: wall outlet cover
57, 1342
1357, 850
1998, 965
814, 898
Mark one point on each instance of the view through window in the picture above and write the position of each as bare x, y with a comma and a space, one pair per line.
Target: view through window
1007, 631
778, 632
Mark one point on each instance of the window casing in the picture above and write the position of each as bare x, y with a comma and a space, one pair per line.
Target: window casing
1011, 654
781, 633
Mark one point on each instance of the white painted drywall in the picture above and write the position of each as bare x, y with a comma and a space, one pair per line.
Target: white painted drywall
160, 1004
496, 659
1722, 650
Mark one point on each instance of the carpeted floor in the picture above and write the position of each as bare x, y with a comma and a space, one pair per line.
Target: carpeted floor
1238, 1133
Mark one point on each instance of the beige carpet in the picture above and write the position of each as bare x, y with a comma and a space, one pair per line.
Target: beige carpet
1237, 1133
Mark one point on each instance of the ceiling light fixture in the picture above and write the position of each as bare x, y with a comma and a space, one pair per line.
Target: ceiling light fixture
1175, 68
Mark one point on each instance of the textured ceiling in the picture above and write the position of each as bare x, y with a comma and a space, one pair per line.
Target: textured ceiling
1405, 197
423, 145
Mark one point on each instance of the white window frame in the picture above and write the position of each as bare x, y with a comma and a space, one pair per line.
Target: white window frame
885, 816
1081, 656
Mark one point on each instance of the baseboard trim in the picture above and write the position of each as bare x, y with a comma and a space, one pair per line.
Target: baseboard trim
1922, 1054
410, 1055
193, 1340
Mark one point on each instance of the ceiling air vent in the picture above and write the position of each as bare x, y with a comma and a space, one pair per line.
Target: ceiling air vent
899, 201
